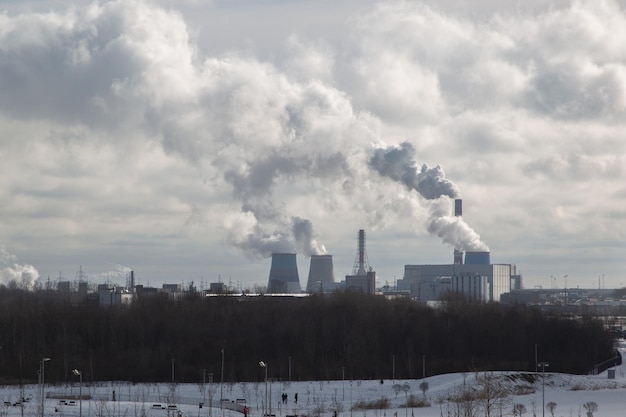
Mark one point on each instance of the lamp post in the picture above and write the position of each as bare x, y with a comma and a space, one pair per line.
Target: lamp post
80, 391
343, 381
264, 365
222, 386
543, 386
41, 373
211, 394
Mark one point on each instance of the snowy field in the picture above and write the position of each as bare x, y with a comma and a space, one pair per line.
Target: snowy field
325, 398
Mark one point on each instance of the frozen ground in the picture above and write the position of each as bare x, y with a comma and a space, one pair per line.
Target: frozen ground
569, 392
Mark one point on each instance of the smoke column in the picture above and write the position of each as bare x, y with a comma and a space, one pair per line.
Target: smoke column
22, 275
398, 163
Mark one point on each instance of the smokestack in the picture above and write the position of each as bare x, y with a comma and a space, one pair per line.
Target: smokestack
458, 212
360, 263
320, 273
284, 277
458, 207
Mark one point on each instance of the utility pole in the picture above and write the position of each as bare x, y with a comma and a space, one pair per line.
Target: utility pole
543, 387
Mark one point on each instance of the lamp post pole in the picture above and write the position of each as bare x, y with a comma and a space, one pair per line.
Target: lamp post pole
42, 373
343, 382
211, 394
264, 365
80, 391
222, 386
543, 387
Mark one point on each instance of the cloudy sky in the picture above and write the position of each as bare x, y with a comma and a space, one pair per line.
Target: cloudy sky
188, 140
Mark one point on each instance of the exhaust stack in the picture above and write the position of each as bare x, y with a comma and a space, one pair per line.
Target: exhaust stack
458, 212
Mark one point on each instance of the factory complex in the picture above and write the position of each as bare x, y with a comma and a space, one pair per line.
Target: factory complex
470, 274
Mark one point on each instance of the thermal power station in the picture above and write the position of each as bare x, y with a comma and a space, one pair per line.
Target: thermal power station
321, 274
284, 277
475, 277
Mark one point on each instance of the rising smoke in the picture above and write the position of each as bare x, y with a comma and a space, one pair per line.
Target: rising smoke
21, 276
255, 125
399, 164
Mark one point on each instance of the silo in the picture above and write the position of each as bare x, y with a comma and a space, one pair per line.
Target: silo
283, 274
320, 272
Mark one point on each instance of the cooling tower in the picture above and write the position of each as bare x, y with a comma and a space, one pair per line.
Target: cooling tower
320, 273
283, 274
477, 258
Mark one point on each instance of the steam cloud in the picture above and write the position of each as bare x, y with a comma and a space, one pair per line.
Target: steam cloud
23, 276
250, 122
398, 163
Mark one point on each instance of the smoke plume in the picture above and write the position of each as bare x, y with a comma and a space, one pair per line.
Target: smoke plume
287, 236
22, 276
398, 163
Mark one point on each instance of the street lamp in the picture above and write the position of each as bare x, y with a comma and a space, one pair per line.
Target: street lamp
222, 386
543, 386
80, 391
41, 374
264, 365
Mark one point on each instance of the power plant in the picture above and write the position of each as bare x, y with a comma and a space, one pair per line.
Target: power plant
470, 273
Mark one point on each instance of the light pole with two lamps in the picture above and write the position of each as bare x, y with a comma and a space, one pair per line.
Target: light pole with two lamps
264, 365
79, 374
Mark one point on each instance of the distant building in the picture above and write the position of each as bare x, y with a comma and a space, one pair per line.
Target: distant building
217, 287
362, 283
476, 279
110, 296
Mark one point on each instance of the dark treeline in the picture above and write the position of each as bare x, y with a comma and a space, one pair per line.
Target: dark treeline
310, 338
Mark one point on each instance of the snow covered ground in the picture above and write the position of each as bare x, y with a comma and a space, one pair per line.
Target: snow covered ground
324, 398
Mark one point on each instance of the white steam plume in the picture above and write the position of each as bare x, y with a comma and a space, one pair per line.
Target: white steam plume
453, 230
245, 232
24, 276
398, 163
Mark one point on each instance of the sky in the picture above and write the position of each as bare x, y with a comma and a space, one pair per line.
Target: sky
189, 140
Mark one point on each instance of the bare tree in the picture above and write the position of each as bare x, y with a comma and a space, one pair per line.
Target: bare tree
551, 406
424, 387
490, 393
519, 409
591, 407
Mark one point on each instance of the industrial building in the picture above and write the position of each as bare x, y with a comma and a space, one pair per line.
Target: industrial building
480, 281
474, 277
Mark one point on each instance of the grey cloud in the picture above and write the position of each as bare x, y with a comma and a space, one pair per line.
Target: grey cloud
398, 163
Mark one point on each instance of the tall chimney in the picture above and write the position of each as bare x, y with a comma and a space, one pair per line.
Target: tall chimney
458, 207
458, 212
320, 273
284, 277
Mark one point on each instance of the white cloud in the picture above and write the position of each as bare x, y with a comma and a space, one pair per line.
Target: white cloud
127, 137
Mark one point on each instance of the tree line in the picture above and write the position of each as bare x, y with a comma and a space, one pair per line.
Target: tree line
320, 337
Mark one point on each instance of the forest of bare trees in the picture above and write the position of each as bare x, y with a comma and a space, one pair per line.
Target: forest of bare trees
351, 336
